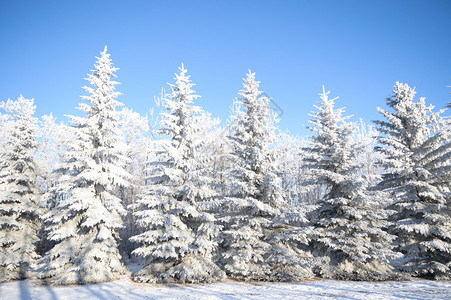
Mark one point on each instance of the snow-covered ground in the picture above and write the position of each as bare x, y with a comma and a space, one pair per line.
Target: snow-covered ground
314, 289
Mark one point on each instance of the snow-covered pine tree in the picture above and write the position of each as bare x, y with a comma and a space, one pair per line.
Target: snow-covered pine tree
19, 210
179, 238
254, 246
83, 225
418, 153
348, 232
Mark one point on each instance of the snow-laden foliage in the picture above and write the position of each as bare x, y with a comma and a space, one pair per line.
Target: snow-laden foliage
369, 160
84, 223
195, 201
418, 153
212, 151
19, 209
288, 235
178, 238
50, 150
287, 156
288, 151
348, 231
136, 135
52, 141
254, 246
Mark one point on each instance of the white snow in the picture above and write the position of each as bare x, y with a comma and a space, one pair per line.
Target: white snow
312, 289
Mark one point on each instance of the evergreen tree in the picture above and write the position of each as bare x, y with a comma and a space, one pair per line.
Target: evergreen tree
418, 153
179, 237
84, 223
348, 230
254, 245
19, 209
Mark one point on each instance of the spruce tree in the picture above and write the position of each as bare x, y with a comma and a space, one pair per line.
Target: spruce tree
178, 238
254, 246
348, 231
418, 154
83, 225
19, 210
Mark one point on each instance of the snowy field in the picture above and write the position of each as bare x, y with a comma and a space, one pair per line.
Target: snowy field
314, 289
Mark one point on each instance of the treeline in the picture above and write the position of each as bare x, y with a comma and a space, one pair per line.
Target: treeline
191, 200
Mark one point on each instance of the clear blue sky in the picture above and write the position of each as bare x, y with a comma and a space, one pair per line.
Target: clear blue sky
357, 49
